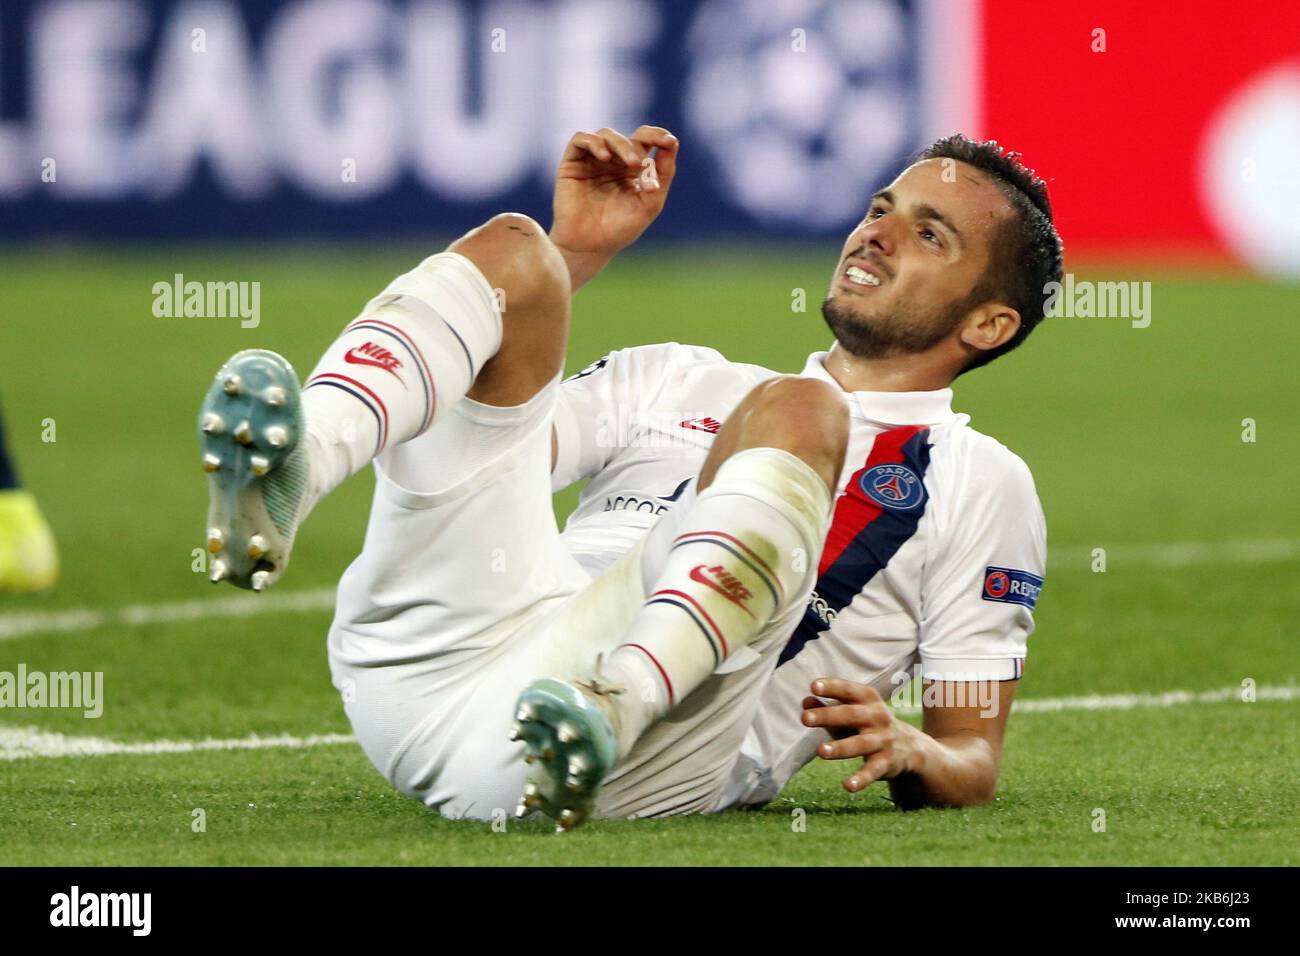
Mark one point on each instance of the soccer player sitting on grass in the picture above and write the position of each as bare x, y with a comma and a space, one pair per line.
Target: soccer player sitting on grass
937, 548
465, 596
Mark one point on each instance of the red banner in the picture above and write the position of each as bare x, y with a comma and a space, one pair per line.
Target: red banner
1164, 129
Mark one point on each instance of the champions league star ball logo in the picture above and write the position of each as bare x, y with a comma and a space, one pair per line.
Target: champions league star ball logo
804, 105
895, 487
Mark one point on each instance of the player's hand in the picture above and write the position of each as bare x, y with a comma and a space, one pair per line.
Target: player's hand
609, 188
863, 726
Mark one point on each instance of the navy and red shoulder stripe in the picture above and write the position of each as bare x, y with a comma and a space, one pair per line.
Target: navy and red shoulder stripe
879, 511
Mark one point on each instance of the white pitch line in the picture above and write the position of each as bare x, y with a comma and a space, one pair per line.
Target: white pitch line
1173, 698
17, 743
1119, 557
236, 606
1183, 554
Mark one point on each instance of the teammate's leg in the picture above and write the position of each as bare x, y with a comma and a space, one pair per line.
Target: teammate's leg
741, 557
487, 319
8, 474
28, 557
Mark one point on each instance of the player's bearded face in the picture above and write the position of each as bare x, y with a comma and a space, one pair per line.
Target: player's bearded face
913, 269
905, 329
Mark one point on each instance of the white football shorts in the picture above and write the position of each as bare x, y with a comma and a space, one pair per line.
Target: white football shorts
464, 593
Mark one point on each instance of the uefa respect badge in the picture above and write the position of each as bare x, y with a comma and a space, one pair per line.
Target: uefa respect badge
1012, 586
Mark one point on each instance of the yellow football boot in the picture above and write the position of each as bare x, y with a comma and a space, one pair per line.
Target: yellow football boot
29, 560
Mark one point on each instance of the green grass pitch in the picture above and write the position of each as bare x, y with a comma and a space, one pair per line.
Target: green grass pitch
1134, 437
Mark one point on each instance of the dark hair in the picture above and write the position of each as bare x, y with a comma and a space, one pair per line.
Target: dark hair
1028, 253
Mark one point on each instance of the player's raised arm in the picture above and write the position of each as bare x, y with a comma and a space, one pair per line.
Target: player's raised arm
608, 189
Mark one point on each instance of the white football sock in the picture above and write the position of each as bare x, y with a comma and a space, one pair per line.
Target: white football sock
412, 353
725, 577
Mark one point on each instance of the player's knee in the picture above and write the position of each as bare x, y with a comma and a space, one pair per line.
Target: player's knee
801, 405
807, 417
520, 262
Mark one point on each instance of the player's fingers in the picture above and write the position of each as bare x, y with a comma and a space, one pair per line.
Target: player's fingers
814, 703
649, 136
622, 147
666, 163
876, 766
664, 142
845, 690
584, 144
665, 146
844, 715
858, 745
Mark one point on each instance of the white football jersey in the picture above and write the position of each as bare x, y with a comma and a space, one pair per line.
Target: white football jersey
932, 566
639, 424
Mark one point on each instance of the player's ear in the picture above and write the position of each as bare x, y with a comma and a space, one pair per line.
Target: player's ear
990, 326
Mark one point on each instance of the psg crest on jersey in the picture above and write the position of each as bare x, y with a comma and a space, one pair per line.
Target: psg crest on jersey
895, 487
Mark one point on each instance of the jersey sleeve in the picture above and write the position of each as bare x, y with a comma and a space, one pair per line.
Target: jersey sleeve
594, 402
982, 583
